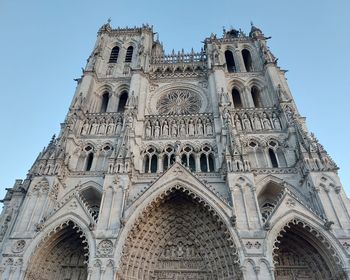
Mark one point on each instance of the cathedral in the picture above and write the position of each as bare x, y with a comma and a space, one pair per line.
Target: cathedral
183, 166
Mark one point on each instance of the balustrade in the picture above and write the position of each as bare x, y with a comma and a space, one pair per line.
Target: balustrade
180, 57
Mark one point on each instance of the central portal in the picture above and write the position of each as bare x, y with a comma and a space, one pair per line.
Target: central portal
179, 238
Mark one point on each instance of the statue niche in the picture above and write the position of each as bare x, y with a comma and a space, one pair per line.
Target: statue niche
179, 239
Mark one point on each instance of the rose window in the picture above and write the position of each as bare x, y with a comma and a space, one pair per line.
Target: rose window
179, 102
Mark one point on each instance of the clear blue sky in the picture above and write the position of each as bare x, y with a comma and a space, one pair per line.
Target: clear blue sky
44, 44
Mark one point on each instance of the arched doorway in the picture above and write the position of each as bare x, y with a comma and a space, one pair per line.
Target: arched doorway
301, 255
63, 255
179, 238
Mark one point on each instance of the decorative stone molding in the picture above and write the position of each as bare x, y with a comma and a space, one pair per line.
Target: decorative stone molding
105, 248
18, 246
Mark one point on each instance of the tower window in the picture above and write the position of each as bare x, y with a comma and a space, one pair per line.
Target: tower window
114, 55
89, 161
122, 101
230, 62
192, 163
104, 104
273, 158
154, 164
203, 161
256, 96
146, 163
236, 98
128, 56
247, 58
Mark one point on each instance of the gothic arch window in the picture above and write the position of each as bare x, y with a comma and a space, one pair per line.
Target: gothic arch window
92, 199
268, 199
168, 158
207, 160
187, 158
247, 59
273, 158
104, 102
230, 62
114, 55
256, 96
89, 161
122, 101
150, 160
129, 52
236, 98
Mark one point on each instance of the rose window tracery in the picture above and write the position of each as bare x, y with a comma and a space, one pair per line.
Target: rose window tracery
179, 102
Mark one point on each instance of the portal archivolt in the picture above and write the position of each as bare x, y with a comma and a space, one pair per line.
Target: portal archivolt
302, 255
62, 256
179, 239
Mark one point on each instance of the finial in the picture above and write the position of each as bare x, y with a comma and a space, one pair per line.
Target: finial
223, 29
109, 20
251, 23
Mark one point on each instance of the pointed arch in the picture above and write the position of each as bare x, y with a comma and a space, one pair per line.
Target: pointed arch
184, 180
300, 242
58, 235
165, 229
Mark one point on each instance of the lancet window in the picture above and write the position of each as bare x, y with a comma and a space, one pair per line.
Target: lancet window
168, 157
150, 161
247, 59
187, 158
122, 101
236, 98
114, 55
207, 160
129, 52
256, 96
104, 102
230, 62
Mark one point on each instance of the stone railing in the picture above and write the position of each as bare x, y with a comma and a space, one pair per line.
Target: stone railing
182, 126
255, 119
180, 58
102, 124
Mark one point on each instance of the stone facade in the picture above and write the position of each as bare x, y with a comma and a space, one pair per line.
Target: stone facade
182, 166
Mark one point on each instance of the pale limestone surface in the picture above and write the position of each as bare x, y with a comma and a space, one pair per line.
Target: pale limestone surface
182, 166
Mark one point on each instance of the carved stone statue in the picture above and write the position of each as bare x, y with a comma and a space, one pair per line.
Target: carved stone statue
191, 128
238, 123
148, 129
246, 123
165, 129
156, 129
256, 122
209, 127
266, 121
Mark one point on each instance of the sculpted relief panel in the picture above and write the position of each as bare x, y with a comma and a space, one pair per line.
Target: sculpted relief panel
179, 239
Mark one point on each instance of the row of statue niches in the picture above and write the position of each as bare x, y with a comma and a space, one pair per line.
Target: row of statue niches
256, 121
99, 126
183, 127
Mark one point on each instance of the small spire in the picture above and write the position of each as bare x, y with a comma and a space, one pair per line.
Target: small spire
109, 20
251, 24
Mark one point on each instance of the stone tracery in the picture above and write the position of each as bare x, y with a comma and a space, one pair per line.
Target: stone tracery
179, 238
178, 102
